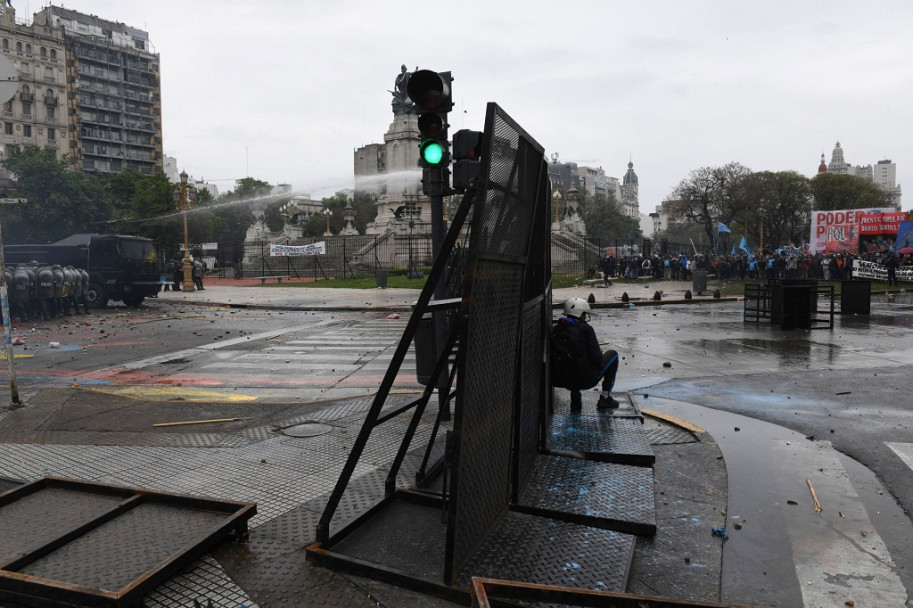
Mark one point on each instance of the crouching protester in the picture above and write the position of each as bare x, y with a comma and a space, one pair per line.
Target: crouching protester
577, 361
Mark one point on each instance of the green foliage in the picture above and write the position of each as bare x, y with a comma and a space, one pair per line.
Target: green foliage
249, 187
60, 202
605, 222
833, 191
784, 199
272, 217
63, 202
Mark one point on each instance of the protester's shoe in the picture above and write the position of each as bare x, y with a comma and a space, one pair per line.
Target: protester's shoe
576, 401
606, 403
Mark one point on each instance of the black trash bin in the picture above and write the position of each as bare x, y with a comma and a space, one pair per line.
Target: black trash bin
380, 275
855, 297
699, 281
792, 302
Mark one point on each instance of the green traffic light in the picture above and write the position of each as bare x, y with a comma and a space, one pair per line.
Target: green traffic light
432, 152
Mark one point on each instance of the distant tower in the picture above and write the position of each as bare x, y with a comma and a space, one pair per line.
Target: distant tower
822, 168
837, 164
630, 205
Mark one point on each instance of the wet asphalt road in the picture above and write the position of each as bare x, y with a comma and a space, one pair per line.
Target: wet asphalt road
846, 386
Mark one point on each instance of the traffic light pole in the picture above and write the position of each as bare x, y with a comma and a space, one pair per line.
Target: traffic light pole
434, 181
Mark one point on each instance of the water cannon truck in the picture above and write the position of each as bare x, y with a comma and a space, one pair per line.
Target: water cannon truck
121, 267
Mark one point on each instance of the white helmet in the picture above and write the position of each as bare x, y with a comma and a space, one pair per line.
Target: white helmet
575, 307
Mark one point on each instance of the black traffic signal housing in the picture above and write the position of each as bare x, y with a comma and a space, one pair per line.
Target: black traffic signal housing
432, 100
467, 154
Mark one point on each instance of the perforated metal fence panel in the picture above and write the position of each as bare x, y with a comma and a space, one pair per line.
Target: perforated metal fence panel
504, 222
531, 394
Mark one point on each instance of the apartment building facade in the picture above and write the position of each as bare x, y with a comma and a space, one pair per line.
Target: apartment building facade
114, 93
88, 87
36, 115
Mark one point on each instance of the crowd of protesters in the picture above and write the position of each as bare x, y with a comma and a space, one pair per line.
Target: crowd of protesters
786, 263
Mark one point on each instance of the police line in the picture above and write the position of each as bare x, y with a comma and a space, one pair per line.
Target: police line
871, 270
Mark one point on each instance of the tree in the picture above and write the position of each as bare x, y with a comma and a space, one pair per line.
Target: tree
272, 217
711, 195
146, 204
60, 202
834, 191
782, 201
249, 187
605, 222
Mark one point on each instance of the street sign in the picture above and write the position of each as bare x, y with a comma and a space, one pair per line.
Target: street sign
13, 201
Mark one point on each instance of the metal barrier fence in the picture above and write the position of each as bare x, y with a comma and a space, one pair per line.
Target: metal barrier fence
359, 256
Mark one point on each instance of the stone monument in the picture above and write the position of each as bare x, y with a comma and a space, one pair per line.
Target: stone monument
391, 170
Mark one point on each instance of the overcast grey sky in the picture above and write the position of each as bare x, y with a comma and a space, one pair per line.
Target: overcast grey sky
285, 90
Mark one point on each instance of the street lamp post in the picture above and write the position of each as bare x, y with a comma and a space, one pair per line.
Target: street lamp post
761, 214
327, 213
182, 197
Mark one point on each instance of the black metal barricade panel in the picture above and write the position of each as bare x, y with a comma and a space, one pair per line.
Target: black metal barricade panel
531, 391
483, 415
510, 191
600, 494
541, 550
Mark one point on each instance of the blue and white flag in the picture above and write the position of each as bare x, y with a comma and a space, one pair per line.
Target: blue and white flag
721, 227
743, 245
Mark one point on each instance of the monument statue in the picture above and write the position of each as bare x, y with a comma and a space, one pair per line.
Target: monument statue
401, 102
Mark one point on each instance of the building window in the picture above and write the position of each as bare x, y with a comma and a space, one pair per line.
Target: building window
26, 130
8, 128
43, 52
26, 108
28, 50
53, 54
8, 106
52, 134
6, 44
19, 47
52, 113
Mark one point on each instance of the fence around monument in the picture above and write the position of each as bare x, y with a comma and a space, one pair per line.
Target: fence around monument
361, 256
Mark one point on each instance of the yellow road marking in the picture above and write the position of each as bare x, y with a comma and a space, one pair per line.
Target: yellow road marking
16, 356
673, 420
174, 393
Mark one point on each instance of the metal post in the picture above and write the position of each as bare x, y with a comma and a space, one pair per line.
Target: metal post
7, 329
435, 177
188, 269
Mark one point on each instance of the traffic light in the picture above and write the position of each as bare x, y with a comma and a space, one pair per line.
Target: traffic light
430, 95
467, 152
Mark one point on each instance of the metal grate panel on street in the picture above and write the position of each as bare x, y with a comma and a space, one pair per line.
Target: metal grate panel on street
539, 550
73, 543
601, 437
603, 494
7, 484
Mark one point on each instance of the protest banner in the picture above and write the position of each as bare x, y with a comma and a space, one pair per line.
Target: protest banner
296, 250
